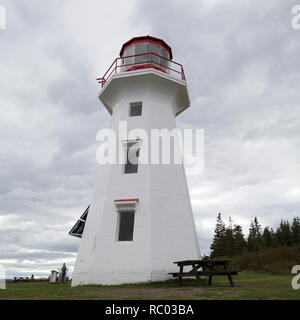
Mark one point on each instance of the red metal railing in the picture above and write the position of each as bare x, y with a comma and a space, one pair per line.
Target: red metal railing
148, 60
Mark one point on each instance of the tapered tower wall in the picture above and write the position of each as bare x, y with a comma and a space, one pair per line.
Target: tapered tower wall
164, 228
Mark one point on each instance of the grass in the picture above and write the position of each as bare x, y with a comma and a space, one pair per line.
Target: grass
249, 285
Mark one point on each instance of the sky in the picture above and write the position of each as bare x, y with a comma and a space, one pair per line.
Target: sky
241, 60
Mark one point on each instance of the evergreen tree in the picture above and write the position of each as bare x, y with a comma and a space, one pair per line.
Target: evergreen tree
296, 230
284, 234
255, 237
228, 240
268, 238
239, 242
217, 246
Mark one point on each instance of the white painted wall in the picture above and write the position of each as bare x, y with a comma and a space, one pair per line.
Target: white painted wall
164, 229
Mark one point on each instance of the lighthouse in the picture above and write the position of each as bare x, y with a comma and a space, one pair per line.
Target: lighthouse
140, 218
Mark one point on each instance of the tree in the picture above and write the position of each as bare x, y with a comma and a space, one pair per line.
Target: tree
255, 237
296, 230
228, 240
239, 242
284, 234
217, 246
268, 238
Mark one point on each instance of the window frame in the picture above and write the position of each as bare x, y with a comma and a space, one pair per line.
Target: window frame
132, 104
120, 212
128, 144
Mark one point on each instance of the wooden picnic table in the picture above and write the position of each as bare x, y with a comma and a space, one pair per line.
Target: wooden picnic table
21, 278
199, 268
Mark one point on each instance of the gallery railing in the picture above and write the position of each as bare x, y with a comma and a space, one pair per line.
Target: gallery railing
143, 61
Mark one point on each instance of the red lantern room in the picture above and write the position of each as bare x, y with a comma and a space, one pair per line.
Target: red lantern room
143, 53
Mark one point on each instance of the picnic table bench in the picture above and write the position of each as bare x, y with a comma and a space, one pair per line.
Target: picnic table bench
201, 268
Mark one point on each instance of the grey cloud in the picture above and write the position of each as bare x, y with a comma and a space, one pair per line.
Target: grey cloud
241, 64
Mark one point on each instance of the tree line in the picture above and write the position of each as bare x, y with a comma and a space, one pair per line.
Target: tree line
229, 240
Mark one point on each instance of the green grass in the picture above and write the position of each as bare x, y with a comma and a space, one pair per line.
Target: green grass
249, 285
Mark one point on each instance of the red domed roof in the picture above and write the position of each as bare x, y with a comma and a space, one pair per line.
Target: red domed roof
146, 39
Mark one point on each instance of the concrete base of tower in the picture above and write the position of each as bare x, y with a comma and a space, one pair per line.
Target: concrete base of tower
118, 278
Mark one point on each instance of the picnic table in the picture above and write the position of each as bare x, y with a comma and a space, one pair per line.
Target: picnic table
21, 278
200, 268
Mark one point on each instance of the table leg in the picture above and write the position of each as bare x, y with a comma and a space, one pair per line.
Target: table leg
195, 269
230, 280
210, 268
199, 281
180, 277
229, 276
209, 280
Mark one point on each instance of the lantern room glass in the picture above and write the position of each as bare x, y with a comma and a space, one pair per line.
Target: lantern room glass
141, 60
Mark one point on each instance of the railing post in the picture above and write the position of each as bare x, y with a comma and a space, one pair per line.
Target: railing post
182, 72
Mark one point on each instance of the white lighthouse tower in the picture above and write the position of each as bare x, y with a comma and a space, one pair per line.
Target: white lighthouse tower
140, 219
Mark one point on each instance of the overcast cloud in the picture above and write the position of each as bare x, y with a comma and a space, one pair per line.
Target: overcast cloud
241, 60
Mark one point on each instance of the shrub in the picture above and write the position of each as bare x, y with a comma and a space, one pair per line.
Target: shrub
279, 260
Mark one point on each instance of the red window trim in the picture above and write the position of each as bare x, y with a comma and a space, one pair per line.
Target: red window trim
122, 200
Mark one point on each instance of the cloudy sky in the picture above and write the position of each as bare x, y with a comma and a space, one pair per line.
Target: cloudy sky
241, 60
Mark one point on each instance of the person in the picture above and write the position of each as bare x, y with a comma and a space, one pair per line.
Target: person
63, 272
